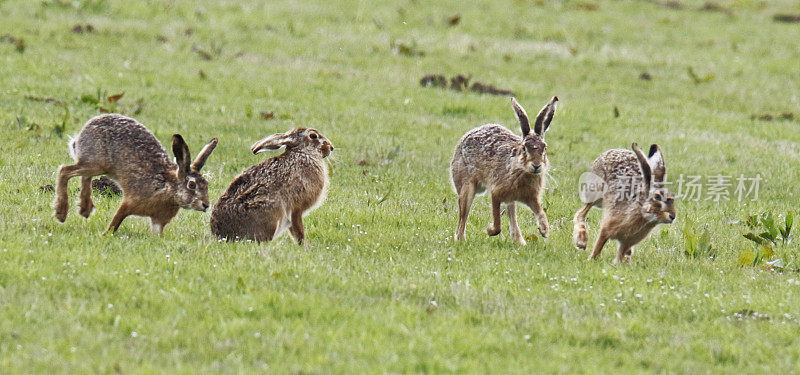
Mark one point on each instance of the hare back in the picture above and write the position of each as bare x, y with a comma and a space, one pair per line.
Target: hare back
486, 149
292, 182
622, 180
120, 145
617, 164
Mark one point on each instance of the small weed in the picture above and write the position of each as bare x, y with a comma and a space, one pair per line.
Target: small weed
405, 49
773, 236
697, 245
773, 232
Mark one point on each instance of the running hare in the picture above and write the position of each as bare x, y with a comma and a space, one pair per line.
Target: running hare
152, 184
510, 167
272, 196
631, 189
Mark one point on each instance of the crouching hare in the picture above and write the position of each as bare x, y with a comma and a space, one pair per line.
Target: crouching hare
631, 189
266, 199
127, 152
510, 167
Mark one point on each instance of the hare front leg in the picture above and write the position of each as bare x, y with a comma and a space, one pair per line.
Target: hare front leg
624, 255
86, 204
513, 226
579, 236
536, 207
157, 224
465, 198
122, 213
598, 245
297, 230
494, 227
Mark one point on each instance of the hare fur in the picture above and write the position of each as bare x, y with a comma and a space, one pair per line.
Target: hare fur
275, 194
127, 152
631, 190
511, 168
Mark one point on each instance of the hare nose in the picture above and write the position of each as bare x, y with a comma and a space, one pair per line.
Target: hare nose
671, 218
205, 207
536, 169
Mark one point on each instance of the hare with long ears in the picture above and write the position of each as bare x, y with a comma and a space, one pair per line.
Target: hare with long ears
152, 184
275, 194
510, 167
631, 189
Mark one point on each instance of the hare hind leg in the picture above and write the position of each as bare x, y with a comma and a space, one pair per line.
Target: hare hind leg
86, 204
466, 196
579, 236
66, 172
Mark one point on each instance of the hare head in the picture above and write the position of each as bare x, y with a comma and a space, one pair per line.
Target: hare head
534, 145
192, 187
659, 206
303, 140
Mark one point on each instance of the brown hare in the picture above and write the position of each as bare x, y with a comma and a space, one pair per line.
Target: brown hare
152, 184
631, 189
275, 194
510, 167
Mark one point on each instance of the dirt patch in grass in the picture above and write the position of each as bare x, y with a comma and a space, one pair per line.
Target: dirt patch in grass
769, 117
461, 83
435, 80
671, 4
80, 29
786, 18
19, 43
453, 20
711, 6
106, 187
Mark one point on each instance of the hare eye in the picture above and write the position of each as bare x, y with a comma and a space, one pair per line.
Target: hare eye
191, 184
658, 197
313, 136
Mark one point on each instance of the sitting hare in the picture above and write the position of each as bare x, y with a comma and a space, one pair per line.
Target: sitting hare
272, 196
152, 184
510, 167
631, 190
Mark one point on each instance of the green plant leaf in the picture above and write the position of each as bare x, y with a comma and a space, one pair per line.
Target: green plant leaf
786, 230
746, 258
90, 99
766, 252
768, 221
752, 237
768, 236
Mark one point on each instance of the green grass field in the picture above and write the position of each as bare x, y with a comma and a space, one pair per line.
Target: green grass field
383, 287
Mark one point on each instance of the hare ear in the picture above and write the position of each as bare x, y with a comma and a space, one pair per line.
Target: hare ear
522, 116
646, 172
545, 116
181, 151
203, 155
273, 142
656, 161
